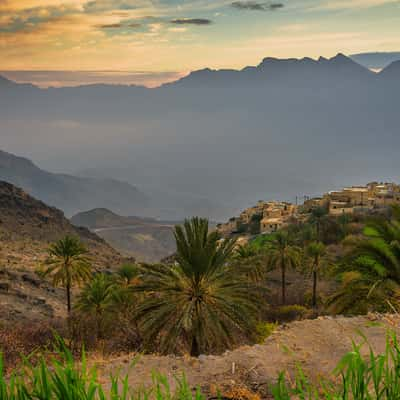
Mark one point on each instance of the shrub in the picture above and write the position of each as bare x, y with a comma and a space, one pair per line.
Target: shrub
287, 313
264, 330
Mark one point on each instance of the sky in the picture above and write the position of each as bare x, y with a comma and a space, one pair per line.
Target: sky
68, 42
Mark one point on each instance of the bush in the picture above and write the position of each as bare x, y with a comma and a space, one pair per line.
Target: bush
264, 330
287, 313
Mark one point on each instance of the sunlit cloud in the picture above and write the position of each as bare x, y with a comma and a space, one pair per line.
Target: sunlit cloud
181, 35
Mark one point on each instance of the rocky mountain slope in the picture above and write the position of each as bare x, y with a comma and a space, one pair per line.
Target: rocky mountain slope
314, 345
27, 227
146, 239
67, 192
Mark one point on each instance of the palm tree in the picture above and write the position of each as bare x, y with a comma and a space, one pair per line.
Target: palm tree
97, 299
316, 252
67, 265
200, 299
249, 262
128, 274
281, 254
374, 265
317, 216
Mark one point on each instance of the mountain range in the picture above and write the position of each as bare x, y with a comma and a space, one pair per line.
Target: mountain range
213, 141
67, 192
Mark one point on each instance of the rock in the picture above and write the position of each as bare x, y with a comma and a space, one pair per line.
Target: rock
30, 279
202, 358
4, 287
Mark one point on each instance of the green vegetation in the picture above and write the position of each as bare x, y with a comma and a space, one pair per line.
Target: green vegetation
315, 251
200, 302
59, 377
375, 377
283, 255
67, 265
215, 294
371, 270
97, 300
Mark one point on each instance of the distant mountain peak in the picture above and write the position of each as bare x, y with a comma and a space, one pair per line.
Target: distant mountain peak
392, 70
5, 81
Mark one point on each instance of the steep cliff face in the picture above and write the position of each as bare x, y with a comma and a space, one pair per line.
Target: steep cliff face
27, 224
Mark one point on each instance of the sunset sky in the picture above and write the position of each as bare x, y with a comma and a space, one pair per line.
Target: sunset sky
150, 41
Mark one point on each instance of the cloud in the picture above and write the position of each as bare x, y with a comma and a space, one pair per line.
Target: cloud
109, 26
256, 6
118, 25
191, 21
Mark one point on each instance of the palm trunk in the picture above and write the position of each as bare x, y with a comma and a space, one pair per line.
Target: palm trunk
314, 293
283, 270
194, 350
99, 325
68, 289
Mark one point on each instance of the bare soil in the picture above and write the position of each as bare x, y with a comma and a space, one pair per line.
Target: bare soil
315, 345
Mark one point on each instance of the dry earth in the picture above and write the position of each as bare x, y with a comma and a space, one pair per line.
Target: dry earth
316, 345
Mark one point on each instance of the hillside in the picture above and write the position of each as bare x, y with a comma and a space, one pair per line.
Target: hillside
67, 192
315, 345
27, 227
146, 239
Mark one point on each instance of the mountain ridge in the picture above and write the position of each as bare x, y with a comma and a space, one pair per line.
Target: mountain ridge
68, 192
339, 60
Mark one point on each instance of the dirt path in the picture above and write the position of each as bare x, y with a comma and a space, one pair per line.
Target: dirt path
317, 345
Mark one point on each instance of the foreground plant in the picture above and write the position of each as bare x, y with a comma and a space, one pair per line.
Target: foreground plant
374, 377
200, 301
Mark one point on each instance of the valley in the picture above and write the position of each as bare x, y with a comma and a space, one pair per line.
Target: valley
145, 239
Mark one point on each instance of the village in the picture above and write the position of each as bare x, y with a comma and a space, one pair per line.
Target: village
269, 216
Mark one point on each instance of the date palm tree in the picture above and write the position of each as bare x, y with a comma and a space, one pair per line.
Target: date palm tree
282, 255
128, 274
316, 252
97, 299
249, 261
374, 266
200, 300
67, 264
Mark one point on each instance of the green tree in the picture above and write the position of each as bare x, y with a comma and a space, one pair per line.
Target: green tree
97, 300
317, 217
373, 264
67, 264
200, 299
282, 255
249, 261
316, 252
128, 274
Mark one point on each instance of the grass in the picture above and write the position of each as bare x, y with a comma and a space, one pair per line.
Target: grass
60, 377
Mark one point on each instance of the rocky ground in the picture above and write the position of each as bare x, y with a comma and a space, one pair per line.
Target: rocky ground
27, 227
315, 345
